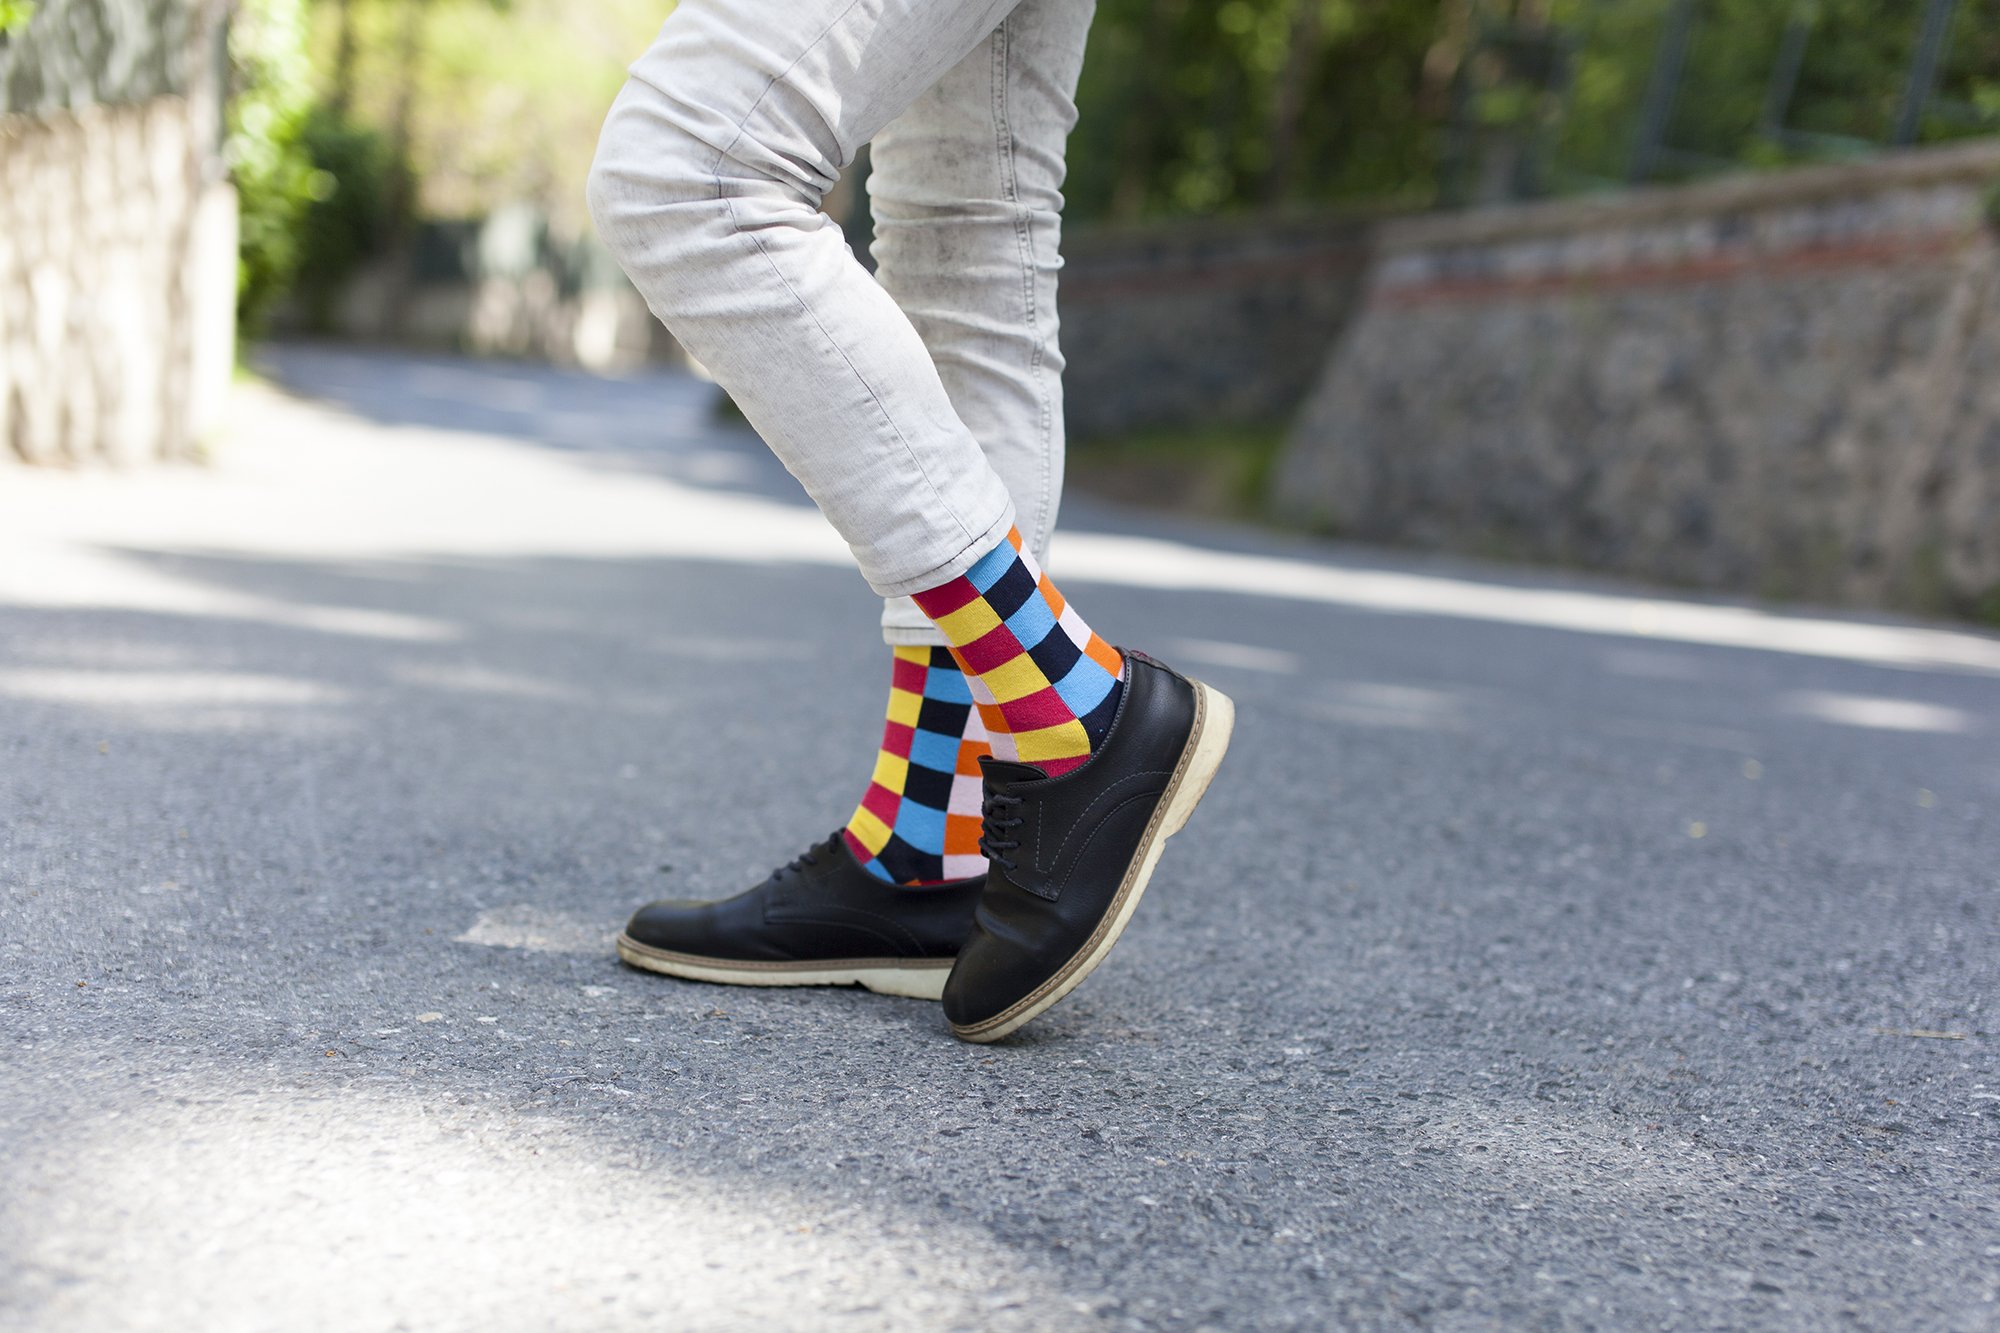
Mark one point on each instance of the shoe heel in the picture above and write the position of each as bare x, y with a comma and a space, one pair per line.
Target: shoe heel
1217, 724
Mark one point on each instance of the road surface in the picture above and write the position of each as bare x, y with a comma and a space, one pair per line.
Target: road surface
1549, 953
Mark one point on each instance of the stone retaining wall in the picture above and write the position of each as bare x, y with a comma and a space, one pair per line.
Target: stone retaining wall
1784, 384
1193, 324
117, 235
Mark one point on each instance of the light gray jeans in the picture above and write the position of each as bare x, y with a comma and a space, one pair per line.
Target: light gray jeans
922, 407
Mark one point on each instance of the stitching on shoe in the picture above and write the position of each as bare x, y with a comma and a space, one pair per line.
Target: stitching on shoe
1085, 817
860, 919
1057, 886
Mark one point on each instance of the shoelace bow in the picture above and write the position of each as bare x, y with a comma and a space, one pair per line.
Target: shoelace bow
994, 821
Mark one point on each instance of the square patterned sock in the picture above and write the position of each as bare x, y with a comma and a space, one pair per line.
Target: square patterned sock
1047, 686
919, 821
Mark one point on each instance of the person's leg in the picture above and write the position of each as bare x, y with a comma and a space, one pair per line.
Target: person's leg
712, 161
966, 192
918, 820
708, 175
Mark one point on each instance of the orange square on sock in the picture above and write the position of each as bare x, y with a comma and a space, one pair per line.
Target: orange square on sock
1104, 655
961, 835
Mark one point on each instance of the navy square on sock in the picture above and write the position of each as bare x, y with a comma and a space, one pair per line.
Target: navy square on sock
1011, 589
943, 717
908, 864
1055, 654
1097, 722
927, 786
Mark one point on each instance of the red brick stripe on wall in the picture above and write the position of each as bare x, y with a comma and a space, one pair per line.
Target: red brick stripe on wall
1871, 252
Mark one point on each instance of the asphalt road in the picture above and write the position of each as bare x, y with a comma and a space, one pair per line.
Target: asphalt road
1548, 954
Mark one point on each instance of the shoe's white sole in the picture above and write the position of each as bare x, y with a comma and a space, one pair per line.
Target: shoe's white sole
917, 978
1214, 721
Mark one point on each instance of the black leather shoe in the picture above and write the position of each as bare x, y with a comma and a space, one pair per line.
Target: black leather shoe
1068, 857
820, 921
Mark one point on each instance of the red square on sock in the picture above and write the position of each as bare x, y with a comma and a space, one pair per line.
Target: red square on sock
994, 648
944, 599
896, 738
882, 803
909, 676
1032, 712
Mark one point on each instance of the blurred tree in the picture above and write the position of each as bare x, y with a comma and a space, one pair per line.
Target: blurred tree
488, 103
1188, 106
270, 96
1195, 106
348, 219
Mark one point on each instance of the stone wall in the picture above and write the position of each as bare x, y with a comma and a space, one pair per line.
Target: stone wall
1784, 384
117, 237
1210, 323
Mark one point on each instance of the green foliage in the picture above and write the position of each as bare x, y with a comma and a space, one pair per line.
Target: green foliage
271, 93
1186, 106
1189, 106
501, 103
15, 14
346, 217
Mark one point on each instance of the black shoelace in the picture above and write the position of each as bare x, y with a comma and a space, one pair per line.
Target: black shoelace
996, 817
810, 856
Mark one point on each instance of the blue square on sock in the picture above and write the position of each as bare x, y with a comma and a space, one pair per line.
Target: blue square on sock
1032, 623
934, 751
919, 825
992, 565
1085, 686
947, 685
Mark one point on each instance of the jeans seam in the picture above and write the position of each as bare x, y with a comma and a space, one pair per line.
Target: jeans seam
874, 398
736, 224
980, 543
773, 82
1004, 146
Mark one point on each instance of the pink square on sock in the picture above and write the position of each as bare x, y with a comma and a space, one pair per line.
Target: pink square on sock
909, 676
944, 599
896, 738
1032, 712
881, 803
994, 648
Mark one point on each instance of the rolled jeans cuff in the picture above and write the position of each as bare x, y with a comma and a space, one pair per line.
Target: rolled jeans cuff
904, 626
985, 540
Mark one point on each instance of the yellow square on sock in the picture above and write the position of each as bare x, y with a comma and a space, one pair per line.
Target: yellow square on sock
970, 623
1015, 679
904, 707
872, 832
1065, 740
893, 771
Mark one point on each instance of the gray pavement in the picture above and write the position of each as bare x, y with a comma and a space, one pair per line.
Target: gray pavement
1548, 954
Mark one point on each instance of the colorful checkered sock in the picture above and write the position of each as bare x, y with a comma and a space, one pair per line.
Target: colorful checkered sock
919, 822
1045, 684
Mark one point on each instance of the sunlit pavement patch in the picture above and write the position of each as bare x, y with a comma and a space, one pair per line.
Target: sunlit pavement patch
539, 930
245, 1208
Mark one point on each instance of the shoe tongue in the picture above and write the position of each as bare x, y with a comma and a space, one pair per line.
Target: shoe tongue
1006, 772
